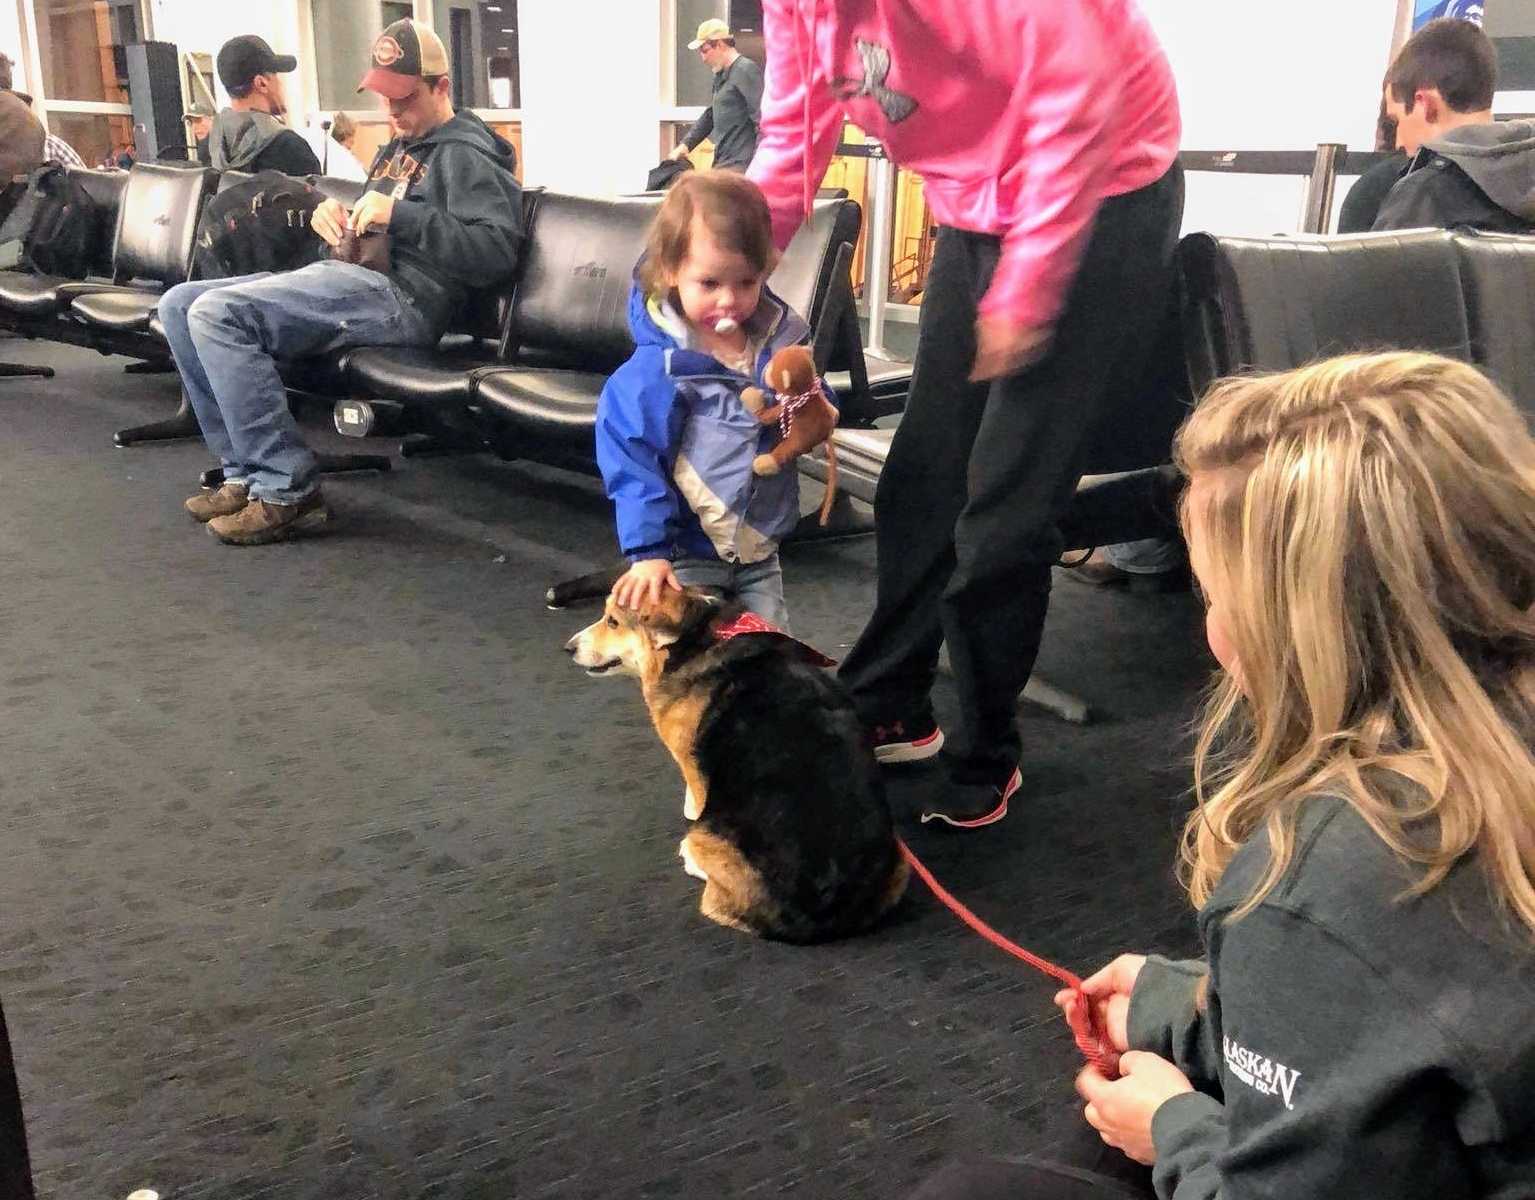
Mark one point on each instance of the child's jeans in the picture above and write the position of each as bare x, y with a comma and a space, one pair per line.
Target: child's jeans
757, 585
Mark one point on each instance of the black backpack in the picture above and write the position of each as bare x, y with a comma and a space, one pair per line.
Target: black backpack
56, 222
261, 224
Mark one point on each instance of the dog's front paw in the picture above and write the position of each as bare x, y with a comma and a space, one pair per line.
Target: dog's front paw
688, 865
691, 808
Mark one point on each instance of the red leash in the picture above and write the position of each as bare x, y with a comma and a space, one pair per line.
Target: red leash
1090, 1040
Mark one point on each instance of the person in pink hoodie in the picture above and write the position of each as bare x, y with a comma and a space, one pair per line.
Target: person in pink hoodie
1046, 133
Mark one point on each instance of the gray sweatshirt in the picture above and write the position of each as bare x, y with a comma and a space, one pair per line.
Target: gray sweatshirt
1481, 176
733, 115
1355, 1043
257, 141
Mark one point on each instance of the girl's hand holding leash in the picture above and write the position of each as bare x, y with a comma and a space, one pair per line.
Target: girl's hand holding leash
1109, 990
1121, 1109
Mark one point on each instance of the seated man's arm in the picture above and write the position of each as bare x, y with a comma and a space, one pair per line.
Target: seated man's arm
467, 217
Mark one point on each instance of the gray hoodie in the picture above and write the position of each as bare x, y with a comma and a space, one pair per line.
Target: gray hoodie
258, 141
1481, 176
1354, 1041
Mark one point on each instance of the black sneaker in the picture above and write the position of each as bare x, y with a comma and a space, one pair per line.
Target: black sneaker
972, 805
906, 742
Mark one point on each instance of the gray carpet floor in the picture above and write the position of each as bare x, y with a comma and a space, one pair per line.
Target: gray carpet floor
328, 876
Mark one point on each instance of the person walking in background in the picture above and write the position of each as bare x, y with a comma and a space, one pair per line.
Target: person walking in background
735, 107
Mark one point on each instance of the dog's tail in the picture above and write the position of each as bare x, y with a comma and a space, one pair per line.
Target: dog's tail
592, 586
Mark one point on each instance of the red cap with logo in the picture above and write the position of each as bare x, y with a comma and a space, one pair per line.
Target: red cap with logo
403, 55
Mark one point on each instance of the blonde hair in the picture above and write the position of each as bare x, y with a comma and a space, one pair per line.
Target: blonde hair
1369, 539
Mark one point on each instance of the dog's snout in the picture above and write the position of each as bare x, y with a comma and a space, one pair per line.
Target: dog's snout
573, 645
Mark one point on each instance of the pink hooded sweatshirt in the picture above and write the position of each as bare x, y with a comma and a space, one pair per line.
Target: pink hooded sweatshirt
1022, 116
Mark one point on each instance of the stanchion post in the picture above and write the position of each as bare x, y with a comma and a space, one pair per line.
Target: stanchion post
1320, 188
876, 274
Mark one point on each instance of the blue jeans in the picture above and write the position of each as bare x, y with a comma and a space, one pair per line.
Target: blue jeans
757, 585
226, 335
1149, 556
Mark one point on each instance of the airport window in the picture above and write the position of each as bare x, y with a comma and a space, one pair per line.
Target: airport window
694, 79
481, 37
343, 38
82, 59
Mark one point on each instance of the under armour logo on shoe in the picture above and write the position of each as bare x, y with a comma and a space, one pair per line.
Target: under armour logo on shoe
896, 106
888, 733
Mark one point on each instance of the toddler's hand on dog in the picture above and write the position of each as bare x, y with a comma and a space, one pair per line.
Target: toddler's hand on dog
644, 582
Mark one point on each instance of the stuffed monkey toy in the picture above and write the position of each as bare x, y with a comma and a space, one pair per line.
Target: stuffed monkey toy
804, 415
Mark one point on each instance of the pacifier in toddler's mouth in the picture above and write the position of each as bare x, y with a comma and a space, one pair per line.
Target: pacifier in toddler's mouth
726, 325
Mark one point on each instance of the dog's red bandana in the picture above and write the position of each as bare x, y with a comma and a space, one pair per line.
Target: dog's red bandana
752, 623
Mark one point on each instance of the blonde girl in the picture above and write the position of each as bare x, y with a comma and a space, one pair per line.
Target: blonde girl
1362, 854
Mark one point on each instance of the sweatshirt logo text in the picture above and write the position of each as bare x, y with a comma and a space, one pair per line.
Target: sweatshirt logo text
1262, 1074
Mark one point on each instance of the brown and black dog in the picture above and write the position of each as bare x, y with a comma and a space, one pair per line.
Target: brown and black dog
791, 832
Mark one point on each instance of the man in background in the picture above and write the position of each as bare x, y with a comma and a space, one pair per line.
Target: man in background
1466, 169
199, 121
1361, 207
250, 134
735, 108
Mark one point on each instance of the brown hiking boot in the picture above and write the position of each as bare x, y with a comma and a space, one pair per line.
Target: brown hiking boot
261, 521
230, 498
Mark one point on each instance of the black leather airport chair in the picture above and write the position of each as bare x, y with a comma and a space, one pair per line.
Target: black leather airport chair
156, 229
572, 307
1497, 276
30, 302
1269, 304
422, 391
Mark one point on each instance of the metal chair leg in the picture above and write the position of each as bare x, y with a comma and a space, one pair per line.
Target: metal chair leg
21, 370
339, 464
182, 425
1056, 700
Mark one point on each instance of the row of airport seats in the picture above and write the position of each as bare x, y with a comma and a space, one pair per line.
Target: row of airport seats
1274, 303
521, 373
520, 370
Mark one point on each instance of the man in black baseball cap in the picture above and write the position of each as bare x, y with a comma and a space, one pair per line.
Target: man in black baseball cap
243, 58
250, 134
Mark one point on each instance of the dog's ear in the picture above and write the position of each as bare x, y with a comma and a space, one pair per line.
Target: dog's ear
663, 619
681, 617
